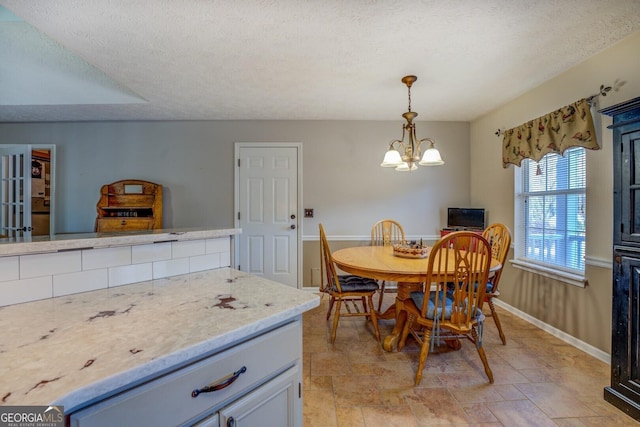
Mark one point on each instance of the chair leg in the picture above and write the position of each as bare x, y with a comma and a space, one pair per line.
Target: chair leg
374, 318
381, 296
336, 320
331, 301
424, 352
483, 356
405, 332
494, 314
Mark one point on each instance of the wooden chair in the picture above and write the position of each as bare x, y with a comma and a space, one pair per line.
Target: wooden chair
386, 232
499, 237
348, 289
452, 309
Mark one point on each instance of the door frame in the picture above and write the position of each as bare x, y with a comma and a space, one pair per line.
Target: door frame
299, 209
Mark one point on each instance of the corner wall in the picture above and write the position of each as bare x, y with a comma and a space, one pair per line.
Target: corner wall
582, 313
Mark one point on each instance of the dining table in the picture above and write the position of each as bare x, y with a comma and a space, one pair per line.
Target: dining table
380, 263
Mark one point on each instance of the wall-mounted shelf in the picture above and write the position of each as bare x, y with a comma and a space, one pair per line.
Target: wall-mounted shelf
129, 205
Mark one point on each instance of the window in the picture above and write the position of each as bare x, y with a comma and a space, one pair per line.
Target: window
550, 212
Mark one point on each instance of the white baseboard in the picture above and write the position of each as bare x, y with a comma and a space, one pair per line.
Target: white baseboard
570, 339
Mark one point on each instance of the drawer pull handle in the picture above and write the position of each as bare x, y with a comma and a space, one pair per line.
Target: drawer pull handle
222, 384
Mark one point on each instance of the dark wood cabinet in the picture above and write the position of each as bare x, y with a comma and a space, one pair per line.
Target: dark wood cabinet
624, 391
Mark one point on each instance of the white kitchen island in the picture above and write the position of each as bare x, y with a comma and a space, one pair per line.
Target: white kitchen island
132, 355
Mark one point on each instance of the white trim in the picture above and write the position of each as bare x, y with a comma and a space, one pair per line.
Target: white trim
598, 262
570, 339
556, 274
236, 198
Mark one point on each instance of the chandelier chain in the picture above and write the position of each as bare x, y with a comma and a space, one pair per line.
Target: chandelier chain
409, 92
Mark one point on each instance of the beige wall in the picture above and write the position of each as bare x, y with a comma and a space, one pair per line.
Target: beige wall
342, 179
582, 313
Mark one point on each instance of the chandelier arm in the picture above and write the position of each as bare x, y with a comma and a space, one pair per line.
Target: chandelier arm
429, 140
396, 142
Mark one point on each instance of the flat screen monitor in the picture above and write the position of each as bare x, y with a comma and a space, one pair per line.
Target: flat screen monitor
466, 218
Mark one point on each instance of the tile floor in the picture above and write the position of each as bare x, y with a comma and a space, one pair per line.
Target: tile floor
539, 380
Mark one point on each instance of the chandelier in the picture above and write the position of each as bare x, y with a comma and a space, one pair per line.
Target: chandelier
406, 156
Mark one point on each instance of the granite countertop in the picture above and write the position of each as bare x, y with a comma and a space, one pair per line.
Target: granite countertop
78, 348
65, 242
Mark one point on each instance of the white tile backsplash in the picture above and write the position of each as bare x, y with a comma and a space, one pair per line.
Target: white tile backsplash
225, 259
32, 277
106, 257
9, 268
217, 245
204, 262
19, 291
170, 268
73, 283
151, 253
49, 264
188, 248
127, 274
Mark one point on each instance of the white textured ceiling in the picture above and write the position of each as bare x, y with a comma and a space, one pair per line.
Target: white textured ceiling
290, 59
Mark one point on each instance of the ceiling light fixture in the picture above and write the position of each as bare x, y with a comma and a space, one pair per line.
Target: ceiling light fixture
406, 156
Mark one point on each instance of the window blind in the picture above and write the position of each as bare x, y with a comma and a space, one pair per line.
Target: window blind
552, 208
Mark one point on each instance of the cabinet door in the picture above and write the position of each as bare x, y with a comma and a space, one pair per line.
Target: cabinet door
276, 403
625, 354
629, 188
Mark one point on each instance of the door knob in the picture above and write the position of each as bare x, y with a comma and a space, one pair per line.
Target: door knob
293, 226
293, 216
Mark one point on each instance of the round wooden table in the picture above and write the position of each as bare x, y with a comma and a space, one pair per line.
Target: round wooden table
378, 262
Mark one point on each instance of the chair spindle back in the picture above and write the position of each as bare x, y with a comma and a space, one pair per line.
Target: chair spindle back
465, 257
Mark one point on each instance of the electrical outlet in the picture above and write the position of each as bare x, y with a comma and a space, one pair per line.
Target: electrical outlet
308, 213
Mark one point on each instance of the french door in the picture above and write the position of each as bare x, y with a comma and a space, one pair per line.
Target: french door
27, 177
15, 190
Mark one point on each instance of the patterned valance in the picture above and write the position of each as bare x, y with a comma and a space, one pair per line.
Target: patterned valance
567, 127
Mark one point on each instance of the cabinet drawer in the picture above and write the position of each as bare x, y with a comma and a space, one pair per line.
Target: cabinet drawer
122, 224
168, 400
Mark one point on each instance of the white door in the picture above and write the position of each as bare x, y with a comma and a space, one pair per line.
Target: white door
15, 190
267, 210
